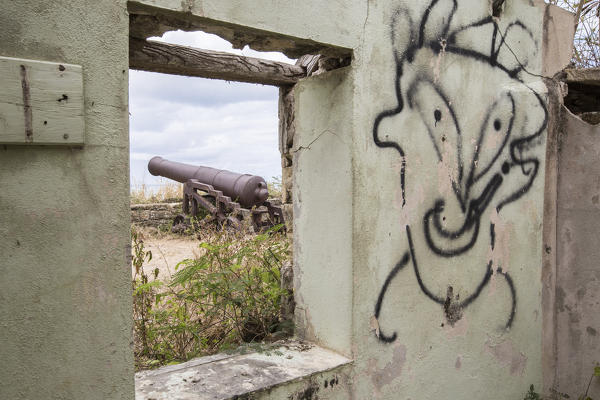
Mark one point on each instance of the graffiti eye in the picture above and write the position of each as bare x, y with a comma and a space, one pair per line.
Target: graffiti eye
437, 114
497, 124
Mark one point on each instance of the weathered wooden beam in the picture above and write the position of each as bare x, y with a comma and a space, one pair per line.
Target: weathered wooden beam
181, 60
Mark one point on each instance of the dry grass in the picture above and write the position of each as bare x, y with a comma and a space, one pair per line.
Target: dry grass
165, 191
275, 187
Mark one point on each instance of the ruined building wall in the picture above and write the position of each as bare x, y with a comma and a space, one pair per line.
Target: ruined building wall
577, 253
418, 193
65, 286
449, 161
287, 128
323, 211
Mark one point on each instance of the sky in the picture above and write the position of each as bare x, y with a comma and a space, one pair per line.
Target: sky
227, 125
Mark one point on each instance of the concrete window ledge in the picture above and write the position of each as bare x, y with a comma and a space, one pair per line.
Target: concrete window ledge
294, 370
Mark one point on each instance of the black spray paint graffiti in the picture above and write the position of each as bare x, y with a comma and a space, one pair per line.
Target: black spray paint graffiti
497, 167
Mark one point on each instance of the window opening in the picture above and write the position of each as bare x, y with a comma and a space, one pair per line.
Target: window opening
234, 288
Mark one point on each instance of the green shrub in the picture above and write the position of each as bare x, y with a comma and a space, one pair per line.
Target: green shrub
229, 295
532, 394
143, 293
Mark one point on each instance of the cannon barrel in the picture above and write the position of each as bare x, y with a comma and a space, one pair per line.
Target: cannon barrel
248, 190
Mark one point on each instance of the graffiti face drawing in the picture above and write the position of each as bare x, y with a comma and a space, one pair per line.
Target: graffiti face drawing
476, 127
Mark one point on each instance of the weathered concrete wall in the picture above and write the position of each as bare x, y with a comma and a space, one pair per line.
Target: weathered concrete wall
448, 162
336, 22
65, 287
291, 371
418, 187
157, 215
322, 193
578, 274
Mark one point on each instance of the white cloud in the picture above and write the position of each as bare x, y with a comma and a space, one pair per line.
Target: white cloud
227, 125
209, 41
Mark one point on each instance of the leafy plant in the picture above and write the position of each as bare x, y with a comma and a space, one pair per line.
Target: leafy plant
231, 294
236, 283
594, 374
586, 49
143, 292
532, 394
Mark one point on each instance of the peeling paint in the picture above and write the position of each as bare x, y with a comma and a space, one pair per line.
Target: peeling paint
459, 329
507, 355
392, 370
458, 362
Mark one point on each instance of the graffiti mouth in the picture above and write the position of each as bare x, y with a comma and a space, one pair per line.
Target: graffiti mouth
462, 239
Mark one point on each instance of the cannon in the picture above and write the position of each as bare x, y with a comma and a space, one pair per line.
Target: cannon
227, 196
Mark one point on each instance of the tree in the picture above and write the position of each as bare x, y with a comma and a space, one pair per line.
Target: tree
586, 49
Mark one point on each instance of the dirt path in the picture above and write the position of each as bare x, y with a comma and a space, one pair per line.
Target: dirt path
167, 252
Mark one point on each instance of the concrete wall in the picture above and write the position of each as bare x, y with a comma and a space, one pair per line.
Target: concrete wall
577, 253
323, 197
335, 22
418, 192
449, 178
65, 303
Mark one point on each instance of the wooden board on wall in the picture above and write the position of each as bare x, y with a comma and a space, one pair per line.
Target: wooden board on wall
41, 103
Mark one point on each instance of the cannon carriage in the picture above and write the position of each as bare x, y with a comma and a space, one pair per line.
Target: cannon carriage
228, 197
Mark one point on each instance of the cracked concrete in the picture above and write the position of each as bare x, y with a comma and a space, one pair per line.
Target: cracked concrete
307, 147
241, 376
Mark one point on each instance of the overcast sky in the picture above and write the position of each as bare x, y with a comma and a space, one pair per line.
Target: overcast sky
221, 124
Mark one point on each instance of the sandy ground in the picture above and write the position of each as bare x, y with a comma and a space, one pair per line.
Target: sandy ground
167, 252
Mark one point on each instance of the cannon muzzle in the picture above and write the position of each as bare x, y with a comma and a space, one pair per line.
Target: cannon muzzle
248, 190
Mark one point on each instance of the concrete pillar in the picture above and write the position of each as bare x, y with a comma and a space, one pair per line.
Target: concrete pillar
65, 291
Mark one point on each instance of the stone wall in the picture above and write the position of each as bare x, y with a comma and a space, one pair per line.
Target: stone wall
155, 214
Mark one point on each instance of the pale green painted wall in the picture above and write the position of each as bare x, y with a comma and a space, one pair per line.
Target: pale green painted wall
65, 305
477, 357
335, 22
323, 198
65, 310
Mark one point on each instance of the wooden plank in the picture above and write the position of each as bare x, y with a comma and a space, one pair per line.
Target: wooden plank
40, 103
181, 60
